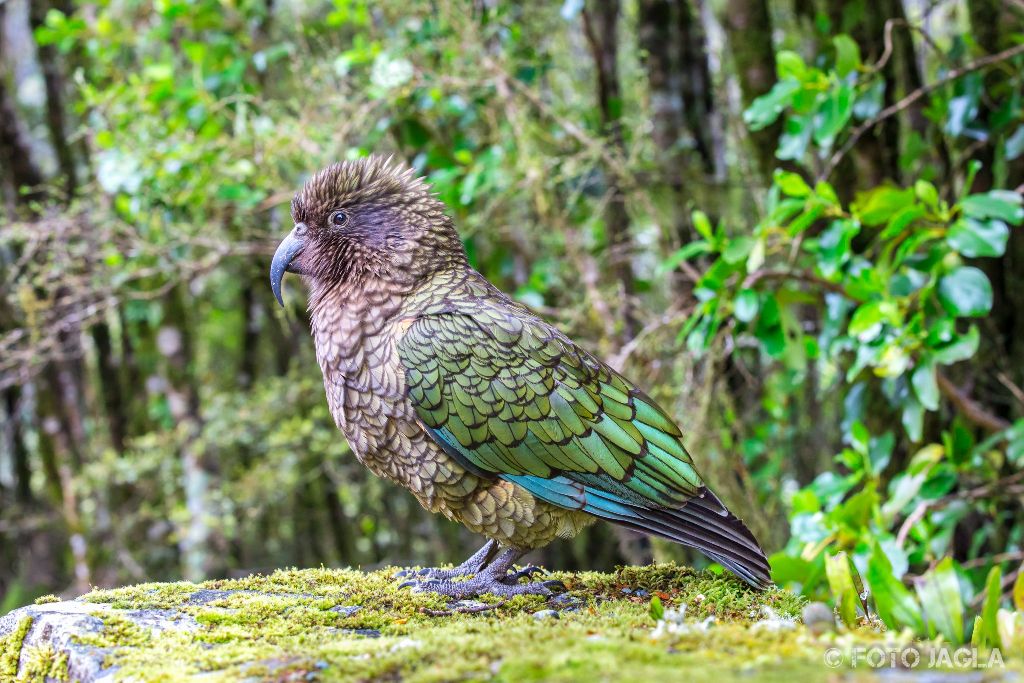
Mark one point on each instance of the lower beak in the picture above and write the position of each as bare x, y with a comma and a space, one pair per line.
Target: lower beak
286, 252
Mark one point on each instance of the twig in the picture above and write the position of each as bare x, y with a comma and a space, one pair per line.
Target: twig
1004, 486
968, 407
999, 558
887, 42
1004, 588
596, 145
759, 275
1017, 392
618, 360
912, 97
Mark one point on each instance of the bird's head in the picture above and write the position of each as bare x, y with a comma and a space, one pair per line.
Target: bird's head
365, 219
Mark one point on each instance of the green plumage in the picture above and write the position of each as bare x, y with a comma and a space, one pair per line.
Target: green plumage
513, 396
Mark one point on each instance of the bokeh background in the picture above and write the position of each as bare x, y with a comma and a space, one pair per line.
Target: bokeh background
793, 221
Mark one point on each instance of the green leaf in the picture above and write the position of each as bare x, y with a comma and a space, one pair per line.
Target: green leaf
925, 386
847, 54
737, 250
685, 253
1002, 204
657, 610
960, 348
833, 114
867, 321
1015, 144
927, 193
896, 605
792, 184
763, 111
939, 591
789, 569
840, 580
789, 64
702, 225
746, 305
877, 206
1018, 590
795, 138
966, 291
912, 418
870, 101
973, 237
990, 609
158, 72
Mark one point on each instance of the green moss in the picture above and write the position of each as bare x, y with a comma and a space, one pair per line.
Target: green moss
43, 599
285, 626
10, 649
43, 664
117, 631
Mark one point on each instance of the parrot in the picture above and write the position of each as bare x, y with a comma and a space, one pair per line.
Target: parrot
488, 414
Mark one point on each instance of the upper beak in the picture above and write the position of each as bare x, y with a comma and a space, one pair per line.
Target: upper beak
286, 251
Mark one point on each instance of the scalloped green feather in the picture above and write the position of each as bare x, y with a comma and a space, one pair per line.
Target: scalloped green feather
512, 397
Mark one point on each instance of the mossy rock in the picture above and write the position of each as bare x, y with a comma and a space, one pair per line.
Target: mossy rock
342, 625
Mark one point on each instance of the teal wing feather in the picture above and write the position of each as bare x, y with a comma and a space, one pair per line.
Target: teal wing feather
515, 397
509, 396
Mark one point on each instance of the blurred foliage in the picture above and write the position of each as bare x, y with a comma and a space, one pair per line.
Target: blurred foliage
879, 295
840, 343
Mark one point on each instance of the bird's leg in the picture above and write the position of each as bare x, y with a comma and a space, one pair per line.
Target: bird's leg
497, 578
474, 564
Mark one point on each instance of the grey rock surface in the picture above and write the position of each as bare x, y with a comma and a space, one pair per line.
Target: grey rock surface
59, 624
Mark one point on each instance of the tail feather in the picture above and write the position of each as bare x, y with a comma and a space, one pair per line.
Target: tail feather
702, 523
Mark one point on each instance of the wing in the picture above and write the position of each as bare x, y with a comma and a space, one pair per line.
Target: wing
509, 396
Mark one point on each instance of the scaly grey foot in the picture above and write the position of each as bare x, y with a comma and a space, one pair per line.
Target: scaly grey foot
474, 564
497, 578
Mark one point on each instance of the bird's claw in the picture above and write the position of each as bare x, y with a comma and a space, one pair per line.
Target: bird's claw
421, 586
524, 573
507, 586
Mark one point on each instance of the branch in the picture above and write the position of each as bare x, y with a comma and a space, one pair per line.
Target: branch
968, 407
914, 96
1005, 486
759, 275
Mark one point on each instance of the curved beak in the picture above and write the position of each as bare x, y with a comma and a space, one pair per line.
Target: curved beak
286, 252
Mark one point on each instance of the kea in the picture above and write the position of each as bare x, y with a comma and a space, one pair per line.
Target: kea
488, 414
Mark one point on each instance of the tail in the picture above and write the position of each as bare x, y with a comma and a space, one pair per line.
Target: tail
703, 523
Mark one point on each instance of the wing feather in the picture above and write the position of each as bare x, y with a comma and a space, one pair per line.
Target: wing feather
510, 397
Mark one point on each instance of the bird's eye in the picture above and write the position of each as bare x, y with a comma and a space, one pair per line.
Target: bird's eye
339, 218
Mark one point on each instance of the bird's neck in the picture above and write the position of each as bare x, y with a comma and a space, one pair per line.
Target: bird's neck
342, 316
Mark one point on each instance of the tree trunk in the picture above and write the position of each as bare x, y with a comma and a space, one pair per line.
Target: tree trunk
875, 158
199, 545
110, 386
748, 27
600, 24
55, 110
699, 112
17, 169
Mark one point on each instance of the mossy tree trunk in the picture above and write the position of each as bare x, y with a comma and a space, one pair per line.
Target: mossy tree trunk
748, 28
